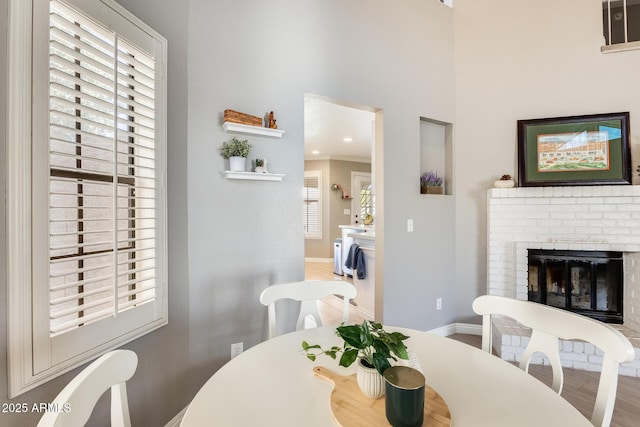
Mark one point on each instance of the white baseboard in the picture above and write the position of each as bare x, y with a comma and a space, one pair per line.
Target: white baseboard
457, 328
324, 260
468, 328
175, 421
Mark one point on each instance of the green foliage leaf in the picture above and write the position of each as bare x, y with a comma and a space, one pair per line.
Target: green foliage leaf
376, 326
401, 351
235, 147
380, 362
381, 348
306, 346
365, 334
397, 337
348, 357
351, 335
368, 341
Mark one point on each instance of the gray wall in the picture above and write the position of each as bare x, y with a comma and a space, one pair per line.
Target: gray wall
529, 74
228, 240
244, 236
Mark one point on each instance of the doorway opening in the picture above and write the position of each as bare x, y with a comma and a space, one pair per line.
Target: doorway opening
340, 139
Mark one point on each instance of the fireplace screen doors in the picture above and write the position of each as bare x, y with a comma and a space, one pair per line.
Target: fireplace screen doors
587, 282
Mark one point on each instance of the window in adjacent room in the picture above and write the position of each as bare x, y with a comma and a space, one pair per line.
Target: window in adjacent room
621, 24
312, 205
97, 170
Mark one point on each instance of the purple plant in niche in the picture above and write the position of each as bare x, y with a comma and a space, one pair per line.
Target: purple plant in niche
430, 179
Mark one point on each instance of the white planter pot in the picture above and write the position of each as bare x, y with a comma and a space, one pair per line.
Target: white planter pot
237, 164
504, 183
370, 381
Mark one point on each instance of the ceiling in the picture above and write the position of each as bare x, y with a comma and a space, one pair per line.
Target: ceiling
327, 122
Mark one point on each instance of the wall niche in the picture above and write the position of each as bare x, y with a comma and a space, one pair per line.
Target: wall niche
436, 152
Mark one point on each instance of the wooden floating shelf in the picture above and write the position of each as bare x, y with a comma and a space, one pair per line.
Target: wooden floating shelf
253, 176
254, 130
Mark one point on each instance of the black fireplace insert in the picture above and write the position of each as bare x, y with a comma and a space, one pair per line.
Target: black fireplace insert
585, 282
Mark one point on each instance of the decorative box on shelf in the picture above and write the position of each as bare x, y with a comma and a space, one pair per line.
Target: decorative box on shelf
235, 121
242, 118
253, 176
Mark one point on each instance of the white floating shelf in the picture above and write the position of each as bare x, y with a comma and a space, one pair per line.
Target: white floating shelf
254, 130
253, 176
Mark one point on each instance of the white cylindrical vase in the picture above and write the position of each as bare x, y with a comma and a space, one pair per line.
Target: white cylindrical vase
237, 164
370, 381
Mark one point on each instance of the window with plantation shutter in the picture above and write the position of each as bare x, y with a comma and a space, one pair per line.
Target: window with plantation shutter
98, 170
312, 205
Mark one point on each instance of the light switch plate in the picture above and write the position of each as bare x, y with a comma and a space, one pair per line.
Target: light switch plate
347, 211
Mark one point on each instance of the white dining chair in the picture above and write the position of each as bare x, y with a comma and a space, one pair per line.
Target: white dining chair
76, 401
548, 324
308, 292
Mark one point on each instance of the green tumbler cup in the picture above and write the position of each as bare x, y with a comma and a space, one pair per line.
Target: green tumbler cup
404, 396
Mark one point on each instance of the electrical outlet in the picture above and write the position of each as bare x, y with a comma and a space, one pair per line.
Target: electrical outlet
439, 304
347, 211
236, 349
409, 226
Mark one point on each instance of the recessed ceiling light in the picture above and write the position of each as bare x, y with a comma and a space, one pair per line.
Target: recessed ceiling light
348, 139
315, 152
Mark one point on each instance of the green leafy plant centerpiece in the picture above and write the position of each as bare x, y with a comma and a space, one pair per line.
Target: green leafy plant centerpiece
368, 341
235, 148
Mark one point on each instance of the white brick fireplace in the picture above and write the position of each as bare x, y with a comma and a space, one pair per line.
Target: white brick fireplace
590, 218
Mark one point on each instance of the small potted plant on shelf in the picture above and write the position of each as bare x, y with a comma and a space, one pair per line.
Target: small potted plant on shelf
237, 152
431, 183
371, 346
505, 181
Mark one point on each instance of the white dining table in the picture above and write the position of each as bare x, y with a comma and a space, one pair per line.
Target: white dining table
272, 384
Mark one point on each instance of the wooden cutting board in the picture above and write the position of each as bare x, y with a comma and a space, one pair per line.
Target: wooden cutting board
351, 408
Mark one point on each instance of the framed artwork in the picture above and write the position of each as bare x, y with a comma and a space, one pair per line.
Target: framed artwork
578, 150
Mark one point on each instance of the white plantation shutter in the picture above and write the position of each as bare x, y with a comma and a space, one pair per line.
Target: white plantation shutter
97, 170
102, 170
312, 204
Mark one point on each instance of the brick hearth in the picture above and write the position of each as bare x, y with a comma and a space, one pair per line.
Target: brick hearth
511, 338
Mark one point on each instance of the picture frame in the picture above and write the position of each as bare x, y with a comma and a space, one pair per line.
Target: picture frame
577, 150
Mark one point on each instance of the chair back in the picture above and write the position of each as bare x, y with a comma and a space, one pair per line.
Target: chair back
111, 370
548, 324
308, 292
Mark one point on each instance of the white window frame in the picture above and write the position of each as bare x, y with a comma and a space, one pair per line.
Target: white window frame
22, 240
617, 47
316, 234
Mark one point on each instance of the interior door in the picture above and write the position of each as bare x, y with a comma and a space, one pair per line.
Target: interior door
363, 202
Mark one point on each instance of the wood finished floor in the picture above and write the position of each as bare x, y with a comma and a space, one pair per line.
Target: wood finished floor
330, 307
580, 387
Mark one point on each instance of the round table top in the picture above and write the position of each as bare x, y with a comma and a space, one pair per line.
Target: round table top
273, 383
